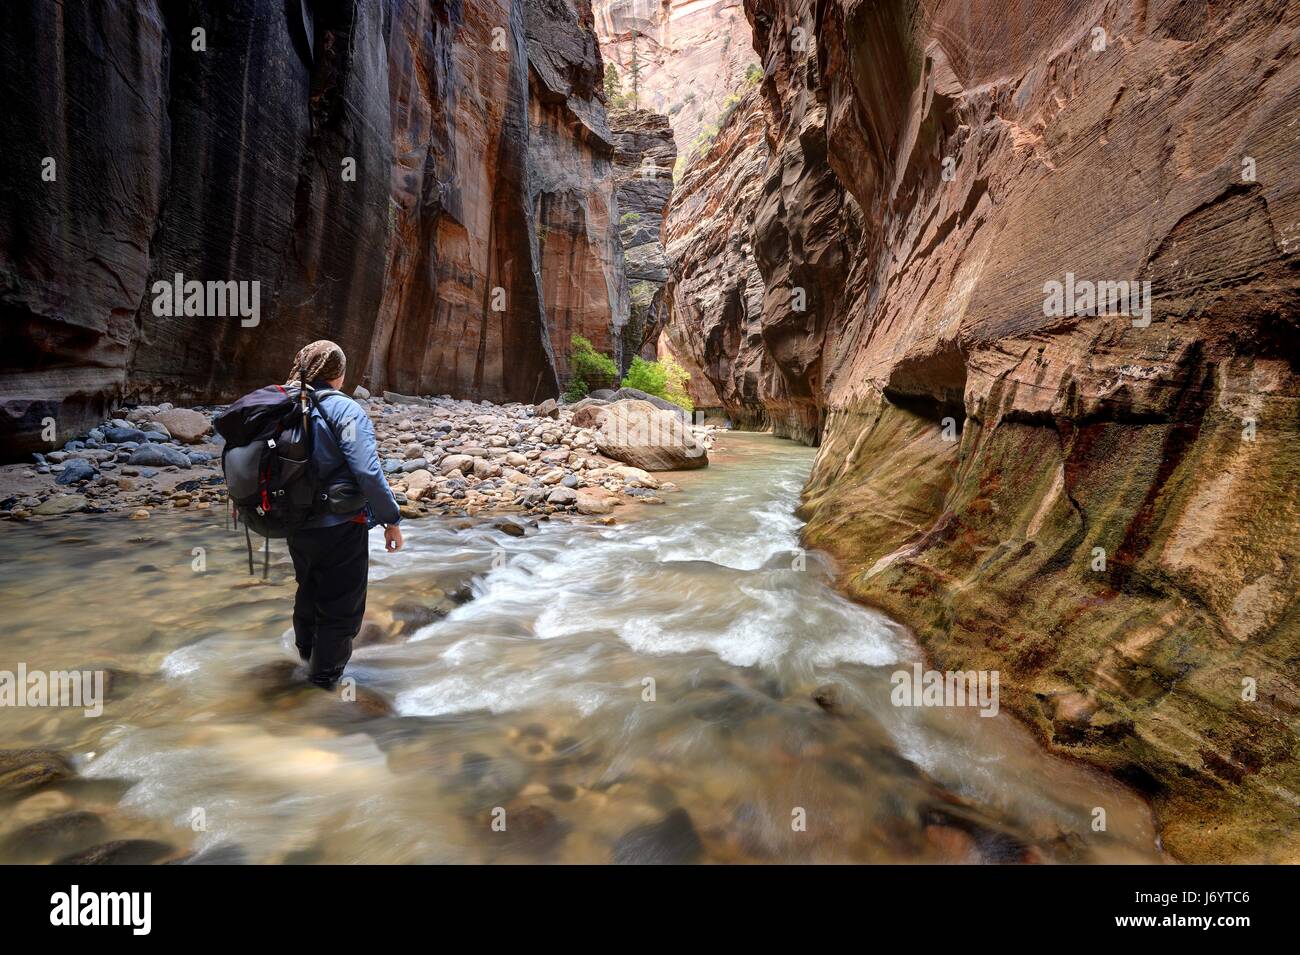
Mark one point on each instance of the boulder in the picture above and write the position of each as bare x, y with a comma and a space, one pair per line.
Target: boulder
636, 394
549, 408
158, 456
456, 462
642, 435
185, 425
75, 471
593, 500
63, 504
562, 497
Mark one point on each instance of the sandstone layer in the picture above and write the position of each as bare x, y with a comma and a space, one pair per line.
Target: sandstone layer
1101, 506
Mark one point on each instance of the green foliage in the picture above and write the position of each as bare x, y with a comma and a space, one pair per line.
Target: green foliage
674, 109
576, 391
613, 85
629, 217
663, 379
647, 376
753, 74
728, 107
588, 364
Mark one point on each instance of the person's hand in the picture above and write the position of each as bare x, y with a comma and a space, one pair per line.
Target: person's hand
392, 538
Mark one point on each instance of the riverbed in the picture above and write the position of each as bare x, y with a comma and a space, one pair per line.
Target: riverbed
683, 686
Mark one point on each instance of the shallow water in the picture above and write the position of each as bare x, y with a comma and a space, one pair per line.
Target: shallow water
635, 692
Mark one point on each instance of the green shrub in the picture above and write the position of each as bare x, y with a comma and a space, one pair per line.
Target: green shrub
576, 391
629, 217
663, 379
753, 74
587, 364
647, 376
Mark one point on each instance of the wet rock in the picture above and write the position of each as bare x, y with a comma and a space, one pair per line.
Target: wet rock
533, 829
116, 435
227, 853
62, 504
507, 526
491, 781
158, 456
830, 697
950, 844
372, 634
59, 835
121, 852
671, 841
1075, 709
75, 471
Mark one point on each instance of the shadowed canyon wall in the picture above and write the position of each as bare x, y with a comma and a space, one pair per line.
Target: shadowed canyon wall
381, 169
644, 155
1101, 506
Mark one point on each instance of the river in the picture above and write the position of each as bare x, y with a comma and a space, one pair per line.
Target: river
637, 692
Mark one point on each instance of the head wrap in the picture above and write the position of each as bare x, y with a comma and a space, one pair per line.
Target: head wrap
321, 360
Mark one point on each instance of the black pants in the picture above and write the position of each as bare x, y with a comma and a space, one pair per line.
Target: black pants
331, 565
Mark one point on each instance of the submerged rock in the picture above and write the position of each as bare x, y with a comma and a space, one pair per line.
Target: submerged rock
121, 852
23, 770
671, 841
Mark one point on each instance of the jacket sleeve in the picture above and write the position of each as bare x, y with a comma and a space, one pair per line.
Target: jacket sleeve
356, 440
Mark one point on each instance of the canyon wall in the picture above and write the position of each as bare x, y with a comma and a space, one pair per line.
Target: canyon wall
687, 56
715, 291
1104, 507
571, 182
644, 155
383, 171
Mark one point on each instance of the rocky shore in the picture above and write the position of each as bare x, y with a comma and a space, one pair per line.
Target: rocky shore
442, 456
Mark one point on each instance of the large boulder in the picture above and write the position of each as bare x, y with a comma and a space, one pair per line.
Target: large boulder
185, 425
636, 394
646, 437
158, 456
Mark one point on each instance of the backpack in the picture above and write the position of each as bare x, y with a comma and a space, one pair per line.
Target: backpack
270, 481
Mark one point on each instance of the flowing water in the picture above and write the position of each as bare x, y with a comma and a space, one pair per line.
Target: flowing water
583, 694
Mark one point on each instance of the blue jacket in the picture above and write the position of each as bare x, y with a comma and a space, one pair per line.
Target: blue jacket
345, 447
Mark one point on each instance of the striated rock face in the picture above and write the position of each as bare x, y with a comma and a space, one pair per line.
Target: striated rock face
571, 182
715, 290
461, 215
419, 181
644, 154
688, 57
1101, 506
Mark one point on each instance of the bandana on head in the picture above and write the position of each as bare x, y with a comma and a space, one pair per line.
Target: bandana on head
321, 360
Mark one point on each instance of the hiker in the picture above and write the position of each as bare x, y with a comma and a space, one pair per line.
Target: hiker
330, 551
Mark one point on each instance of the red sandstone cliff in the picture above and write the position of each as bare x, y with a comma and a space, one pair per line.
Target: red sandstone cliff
420, 181
1102, 507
